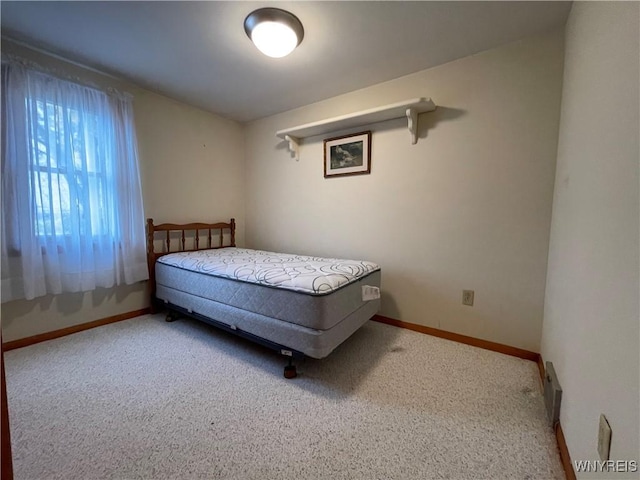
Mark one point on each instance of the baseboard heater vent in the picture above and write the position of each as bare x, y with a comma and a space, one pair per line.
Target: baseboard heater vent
552, 394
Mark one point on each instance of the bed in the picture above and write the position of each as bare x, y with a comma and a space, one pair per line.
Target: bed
298, 305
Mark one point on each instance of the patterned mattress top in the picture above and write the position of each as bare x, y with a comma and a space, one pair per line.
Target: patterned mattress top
311, 275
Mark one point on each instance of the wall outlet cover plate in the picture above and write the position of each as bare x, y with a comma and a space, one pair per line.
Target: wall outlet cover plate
467, 297
604, 438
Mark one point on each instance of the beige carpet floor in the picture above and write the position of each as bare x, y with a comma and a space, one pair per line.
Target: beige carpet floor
154, 400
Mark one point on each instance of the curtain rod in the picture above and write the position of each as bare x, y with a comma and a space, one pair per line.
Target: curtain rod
57, 56
11, 58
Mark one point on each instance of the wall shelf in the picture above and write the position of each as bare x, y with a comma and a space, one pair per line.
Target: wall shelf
409, 109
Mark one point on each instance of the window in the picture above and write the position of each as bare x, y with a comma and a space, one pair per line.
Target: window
58, 129
72, 210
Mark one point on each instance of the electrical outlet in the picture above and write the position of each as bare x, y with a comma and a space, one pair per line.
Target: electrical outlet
467, 297
604, 438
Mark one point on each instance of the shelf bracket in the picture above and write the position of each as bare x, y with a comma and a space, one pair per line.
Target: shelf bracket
294, 147
412, 124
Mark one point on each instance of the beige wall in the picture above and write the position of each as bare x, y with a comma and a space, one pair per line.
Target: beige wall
192, 168
467, 207
591, 317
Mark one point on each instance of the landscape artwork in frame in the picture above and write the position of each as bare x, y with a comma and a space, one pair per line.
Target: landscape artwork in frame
348, 155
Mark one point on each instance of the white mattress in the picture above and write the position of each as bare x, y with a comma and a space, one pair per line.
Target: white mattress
307, 304
317, 311
300, 273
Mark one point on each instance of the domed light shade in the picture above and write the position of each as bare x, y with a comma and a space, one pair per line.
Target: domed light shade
275, 32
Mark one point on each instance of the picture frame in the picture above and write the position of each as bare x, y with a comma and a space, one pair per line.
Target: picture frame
347, 155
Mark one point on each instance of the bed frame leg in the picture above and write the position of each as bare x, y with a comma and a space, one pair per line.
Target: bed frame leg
290, 370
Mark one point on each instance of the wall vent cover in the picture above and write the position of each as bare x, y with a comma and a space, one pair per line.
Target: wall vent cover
552, 394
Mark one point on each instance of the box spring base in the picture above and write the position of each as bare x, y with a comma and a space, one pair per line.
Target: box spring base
274, 333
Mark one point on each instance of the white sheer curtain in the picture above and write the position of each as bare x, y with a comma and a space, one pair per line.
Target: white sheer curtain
72, 216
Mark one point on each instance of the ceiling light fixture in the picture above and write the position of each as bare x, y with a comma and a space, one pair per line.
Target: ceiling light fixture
275, 32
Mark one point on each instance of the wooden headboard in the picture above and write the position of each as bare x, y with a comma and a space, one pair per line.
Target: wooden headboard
175, 233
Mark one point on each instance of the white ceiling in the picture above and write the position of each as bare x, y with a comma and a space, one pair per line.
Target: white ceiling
197, 52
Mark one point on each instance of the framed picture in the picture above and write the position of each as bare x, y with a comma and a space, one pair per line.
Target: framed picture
348, 155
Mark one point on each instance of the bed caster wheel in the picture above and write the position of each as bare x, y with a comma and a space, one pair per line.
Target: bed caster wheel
290, 371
